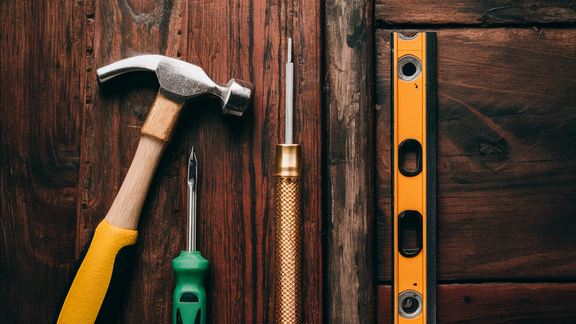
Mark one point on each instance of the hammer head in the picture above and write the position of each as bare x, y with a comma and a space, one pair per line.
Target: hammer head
181, 81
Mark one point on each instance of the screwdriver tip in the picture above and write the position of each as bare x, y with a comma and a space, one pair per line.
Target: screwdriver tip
192, 168
290, 58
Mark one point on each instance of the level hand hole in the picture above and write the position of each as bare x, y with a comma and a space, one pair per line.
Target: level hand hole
409, 233
410, 157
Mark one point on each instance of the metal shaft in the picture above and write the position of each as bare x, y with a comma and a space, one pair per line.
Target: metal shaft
192, 181
289, 95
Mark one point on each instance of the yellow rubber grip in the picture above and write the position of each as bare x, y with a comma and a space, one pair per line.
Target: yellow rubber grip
92, 280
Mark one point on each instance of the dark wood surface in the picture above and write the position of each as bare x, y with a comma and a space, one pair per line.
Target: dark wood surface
67, 143
349, 218
412, 13
506, 249
42, 68
496, 303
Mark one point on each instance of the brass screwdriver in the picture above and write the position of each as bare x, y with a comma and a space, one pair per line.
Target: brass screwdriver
288, 222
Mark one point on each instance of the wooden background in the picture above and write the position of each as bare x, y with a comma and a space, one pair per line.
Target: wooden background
67, 143
506, 161
506, 158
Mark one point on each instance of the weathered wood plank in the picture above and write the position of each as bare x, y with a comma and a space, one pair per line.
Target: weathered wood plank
349, 277
42, 64
506, 160
497, 303
468, 12
248, 40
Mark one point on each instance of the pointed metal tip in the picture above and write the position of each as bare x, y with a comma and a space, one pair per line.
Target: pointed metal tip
192, 168
290, 51
193, 153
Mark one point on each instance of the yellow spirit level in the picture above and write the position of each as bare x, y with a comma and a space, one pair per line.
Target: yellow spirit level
414, 174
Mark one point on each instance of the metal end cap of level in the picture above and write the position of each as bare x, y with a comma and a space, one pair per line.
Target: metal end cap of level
288, 160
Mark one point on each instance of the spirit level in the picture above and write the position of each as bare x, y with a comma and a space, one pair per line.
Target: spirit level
414, 174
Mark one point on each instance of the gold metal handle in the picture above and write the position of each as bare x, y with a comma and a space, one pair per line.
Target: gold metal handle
288, 237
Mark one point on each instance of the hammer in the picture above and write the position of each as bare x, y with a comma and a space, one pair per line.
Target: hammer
99, 263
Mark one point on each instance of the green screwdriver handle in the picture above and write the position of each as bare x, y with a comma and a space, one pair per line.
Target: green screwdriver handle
189, 305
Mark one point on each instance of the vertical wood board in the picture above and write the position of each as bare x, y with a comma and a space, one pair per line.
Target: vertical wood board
42, 71
349, 217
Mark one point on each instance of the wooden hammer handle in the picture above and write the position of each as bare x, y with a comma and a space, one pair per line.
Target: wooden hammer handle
126, 208
157, 133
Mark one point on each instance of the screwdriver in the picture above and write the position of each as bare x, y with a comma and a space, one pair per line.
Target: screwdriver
288, 221
190, 268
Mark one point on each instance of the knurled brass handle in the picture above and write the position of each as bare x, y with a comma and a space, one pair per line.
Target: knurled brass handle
288, 236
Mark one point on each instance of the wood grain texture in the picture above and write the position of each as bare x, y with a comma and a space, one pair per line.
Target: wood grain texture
349, 219
248, 40
42, 71
384, 304
506, 160
496, 303
67, 143
468, 12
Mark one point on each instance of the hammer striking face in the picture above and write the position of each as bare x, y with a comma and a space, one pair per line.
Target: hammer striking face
181, 81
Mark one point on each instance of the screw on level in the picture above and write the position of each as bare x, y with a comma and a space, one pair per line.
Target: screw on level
410, 304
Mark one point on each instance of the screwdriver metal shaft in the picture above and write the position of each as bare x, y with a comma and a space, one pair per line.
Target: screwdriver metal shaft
289, 130
192, 174
288, 220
